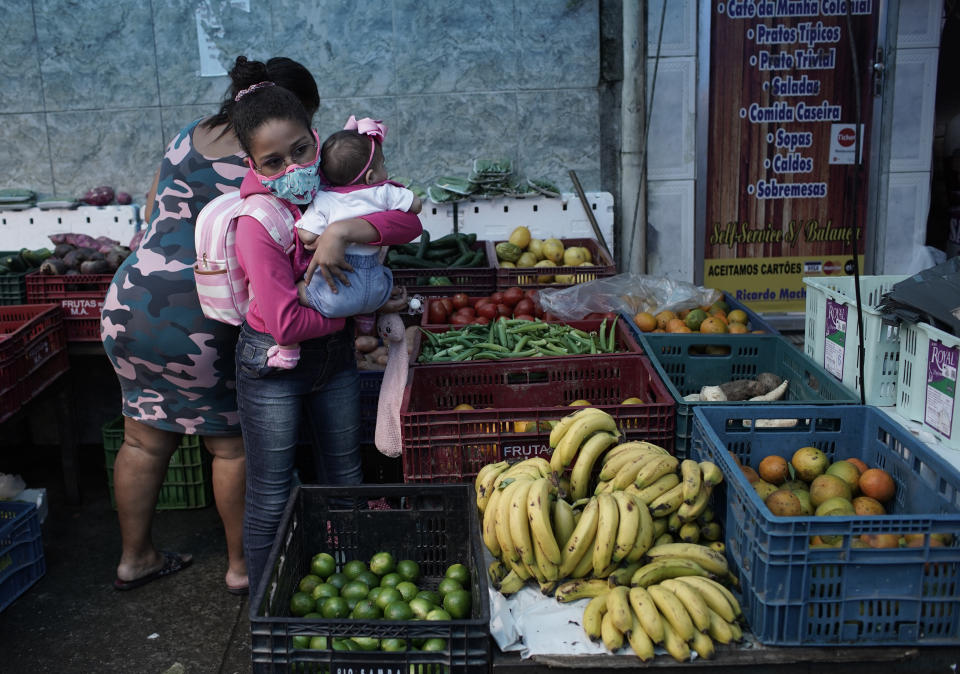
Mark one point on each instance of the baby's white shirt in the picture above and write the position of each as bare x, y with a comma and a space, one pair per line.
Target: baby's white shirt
331, 206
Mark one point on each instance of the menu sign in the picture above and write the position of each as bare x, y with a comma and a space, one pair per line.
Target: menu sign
781, 145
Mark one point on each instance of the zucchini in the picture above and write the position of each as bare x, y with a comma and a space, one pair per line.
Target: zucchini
424, 244
405, 261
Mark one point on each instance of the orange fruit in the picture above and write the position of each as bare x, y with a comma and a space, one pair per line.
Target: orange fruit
664, 317
713, 325
737, 328
773, 469
682, 314
864, 505
674, 325
683, 328
659, 330
877, 483
751, 475
881, 540
859, 464
645, 321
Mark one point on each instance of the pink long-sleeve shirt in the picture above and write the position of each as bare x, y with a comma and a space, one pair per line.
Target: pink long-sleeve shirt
273, 274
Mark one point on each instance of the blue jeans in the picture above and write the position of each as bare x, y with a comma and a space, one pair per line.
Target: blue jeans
369, 289
323, 391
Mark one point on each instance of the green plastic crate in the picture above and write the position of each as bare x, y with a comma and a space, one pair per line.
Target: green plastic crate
188, 483
13, 286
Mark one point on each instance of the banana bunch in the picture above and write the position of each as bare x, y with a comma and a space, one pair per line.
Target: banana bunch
680, 613
569, 439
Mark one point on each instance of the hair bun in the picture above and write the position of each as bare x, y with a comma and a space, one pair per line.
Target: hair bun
245, 73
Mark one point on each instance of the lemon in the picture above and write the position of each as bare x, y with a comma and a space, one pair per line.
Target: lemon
520, 236
553, 250
565, 279
632, 401
463, 406
573, 257
587, 256
536, 247
527, 259
508, 265
580, 403
545, 278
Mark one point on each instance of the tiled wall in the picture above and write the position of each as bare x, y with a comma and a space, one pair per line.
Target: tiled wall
91, 90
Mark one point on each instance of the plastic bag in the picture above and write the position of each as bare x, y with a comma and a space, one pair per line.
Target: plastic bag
625, 293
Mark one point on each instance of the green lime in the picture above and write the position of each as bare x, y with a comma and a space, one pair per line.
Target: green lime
391, 579
448, 585
431, 596
313, 614
459, 573
352, 602
301, 641
324, 590
355, 589
300, 604
370, 578
435, 644
353, 568
439, 614
420, 607
338, 580
409, 569
366, 609
323, 564
344, 644
308, 582
366, 643
335, 607
393, 645
407, 590
374, 593
382, 563
318, 643
398, 610
457, 603
388, 595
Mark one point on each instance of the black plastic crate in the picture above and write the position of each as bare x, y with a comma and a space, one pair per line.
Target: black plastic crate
435, 525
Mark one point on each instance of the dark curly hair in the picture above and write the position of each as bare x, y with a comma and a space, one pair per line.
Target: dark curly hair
344, 154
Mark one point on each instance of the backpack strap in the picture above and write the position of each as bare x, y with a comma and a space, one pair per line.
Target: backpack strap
275, 217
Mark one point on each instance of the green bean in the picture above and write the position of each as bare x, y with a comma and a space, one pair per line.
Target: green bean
613, 335
522, 342
469, 353
490, 346
433, 339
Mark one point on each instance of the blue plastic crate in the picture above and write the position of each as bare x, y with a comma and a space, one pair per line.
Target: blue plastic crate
686, 363
21, 550
795, 594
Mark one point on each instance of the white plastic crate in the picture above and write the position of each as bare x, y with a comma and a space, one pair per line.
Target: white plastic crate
31, 227
927, 382
831, 335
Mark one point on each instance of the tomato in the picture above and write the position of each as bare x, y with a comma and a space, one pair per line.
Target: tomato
447, 304
487, 310
459, 319
436, 313
531, 293
524, 306
504, 310
469, 312
481, 320
497, 297
512, 295
460, 300
524, 317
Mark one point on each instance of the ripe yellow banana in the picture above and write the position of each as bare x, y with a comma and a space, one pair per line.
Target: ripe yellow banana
663, 539
711, 531
519, 524
483, 484
690, 597
603, 544
508, 552
712, 475
564, 521
541, 464
673, 612
558, 431
627, 473
660, 569
549, 571
690, 472
718, 546
645, 530
628, 527
603, 487
511, 583
630, 446
586, 459
710, 591
647, 613
736, 631
719, 629
593, 616
547, 588
584, 567
703, 645
674, 523
712, 561
497, 571
690, 511
707, 515
653, 471
731, 599
618, 608
661, 486
489, 530
660, 526
689, 532
537, 512
580, 542
667, 503
617, 457
581, 588
675, 646
639, 640
611, 636
622, 574
575, 436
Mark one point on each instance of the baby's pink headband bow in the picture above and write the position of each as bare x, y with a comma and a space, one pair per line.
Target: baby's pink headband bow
374, 128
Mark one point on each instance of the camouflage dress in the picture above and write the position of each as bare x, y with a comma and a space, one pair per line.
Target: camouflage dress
176, 367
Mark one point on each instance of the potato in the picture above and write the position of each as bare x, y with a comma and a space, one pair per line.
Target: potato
366, 344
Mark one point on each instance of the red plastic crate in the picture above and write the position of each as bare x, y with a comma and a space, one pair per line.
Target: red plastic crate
80, 295
526, 277
29, 335
443, 445
33, 383
475, 280
624, 344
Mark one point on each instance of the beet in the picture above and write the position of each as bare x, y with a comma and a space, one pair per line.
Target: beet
98, 196
58, 238
53, 266
95, 267
73, 259
123, 198
62, 249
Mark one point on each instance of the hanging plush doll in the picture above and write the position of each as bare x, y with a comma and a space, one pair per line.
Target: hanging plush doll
387, 435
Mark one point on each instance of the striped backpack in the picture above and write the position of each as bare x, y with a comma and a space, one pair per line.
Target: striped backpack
221, 283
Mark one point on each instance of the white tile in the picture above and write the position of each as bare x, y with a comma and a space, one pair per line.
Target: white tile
908, 202
914, 96
671, 140
679, 27
919, 23
670, 229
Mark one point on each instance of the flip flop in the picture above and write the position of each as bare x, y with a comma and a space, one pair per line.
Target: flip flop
172, 562
239, 591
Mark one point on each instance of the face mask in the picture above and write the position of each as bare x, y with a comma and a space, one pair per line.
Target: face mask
298, 184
